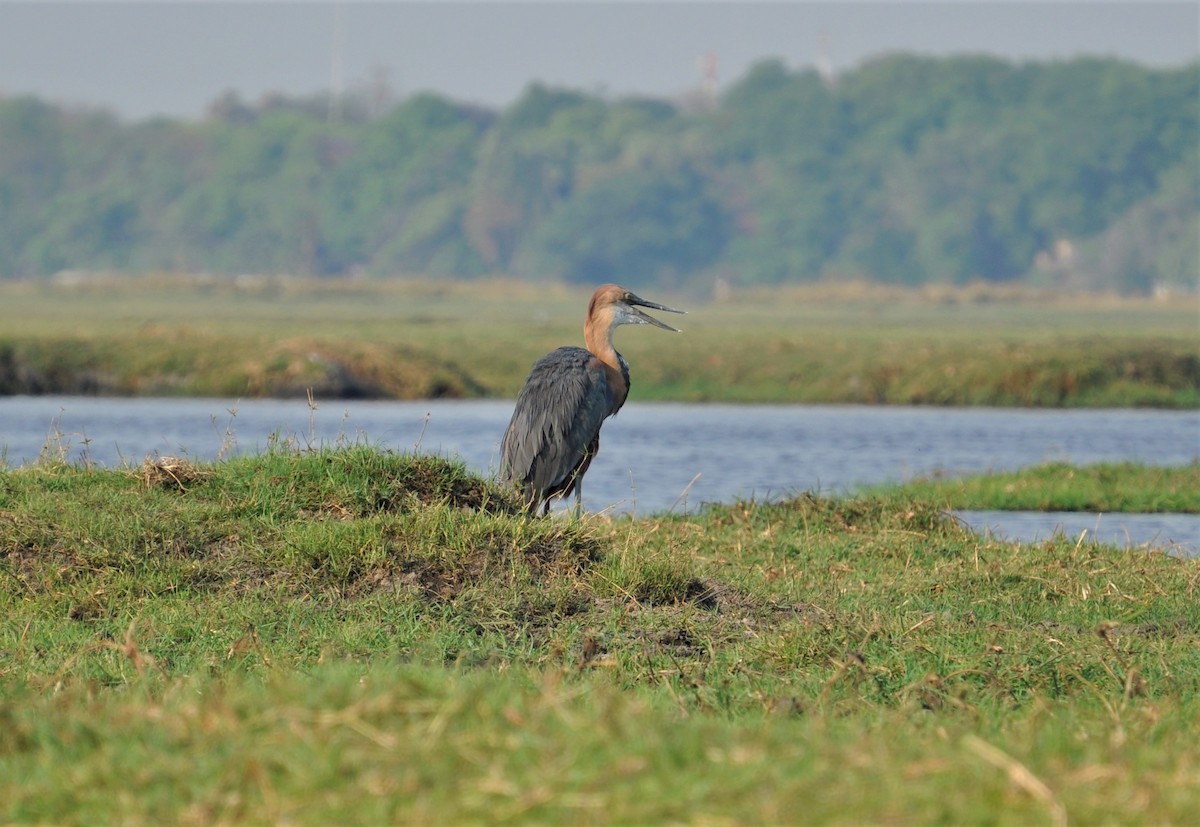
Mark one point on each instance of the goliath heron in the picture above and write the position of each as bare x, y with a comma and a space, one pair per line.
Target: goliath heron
555, 430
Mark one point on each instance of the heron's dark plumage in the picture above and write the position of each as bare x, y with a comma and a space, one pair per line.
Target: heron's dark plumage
555, 428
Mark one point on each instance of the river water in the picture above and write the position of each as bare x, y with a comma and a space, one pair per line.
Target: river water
656, 457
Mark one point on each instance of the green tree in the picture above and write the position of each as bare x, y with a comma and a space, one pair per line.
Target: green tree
398, 191
33, 167
658, 223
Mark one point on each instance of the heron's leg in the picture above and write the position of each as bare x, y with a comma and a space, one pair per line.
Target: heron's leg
534, 505
578, 498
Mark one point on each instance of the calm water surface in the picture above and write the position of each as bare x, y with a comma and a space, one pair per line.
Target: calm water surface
1176, 533
654, 457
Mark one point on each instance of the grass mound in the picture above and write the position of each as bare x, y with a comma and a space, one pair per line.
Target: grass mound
286, 540
347, 483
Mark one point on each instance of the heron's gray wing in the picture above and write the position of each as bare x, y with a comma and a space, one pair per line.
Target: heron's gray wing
558, 413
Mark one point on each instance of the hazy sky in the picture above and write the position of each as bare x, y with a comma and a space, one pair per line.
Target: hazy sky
174, 57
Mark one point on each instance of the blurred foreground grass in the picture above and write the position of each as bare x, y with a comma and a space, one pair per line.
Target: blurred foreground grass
404, 339
355, 636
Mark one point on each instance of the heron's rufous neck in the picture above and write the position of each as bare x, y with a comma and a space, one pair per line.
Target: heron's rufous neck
597, 334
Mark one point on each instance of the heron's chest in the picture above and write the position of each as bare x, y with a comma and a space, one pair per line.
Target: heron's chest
615, 380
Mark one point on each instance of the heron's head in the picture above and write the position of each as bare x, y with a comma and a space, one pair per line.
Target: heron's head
616, 305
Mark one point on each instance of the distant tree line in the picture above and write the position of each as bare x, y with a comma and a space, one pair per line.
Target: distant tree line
905, 170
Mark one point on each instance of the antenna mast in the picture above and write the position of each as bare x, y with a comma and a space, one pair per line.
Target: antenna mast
710, 79
824, 62
336, 79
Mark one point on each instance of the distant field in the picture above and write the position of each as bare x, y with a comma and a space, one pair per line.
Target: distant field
401, 339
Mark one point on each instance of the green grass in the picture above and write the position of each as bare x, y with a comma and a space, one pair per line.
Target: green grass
1057, 486
354, 636
280, 337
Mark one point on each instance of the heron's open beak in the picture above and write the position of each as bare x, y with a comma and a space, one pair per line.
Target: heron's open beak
648, 319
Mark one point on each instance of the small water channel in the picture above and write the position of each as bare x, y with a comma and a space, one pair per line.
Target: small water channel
1177, 534
658, 457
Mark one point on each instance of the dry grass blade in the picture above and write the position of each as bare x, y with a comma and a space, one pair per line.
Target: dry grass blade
1020, 775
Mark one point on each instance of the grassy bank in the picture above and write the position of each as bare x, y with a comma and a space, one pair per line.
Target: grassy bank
1057, 486
355, 636
274, 337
